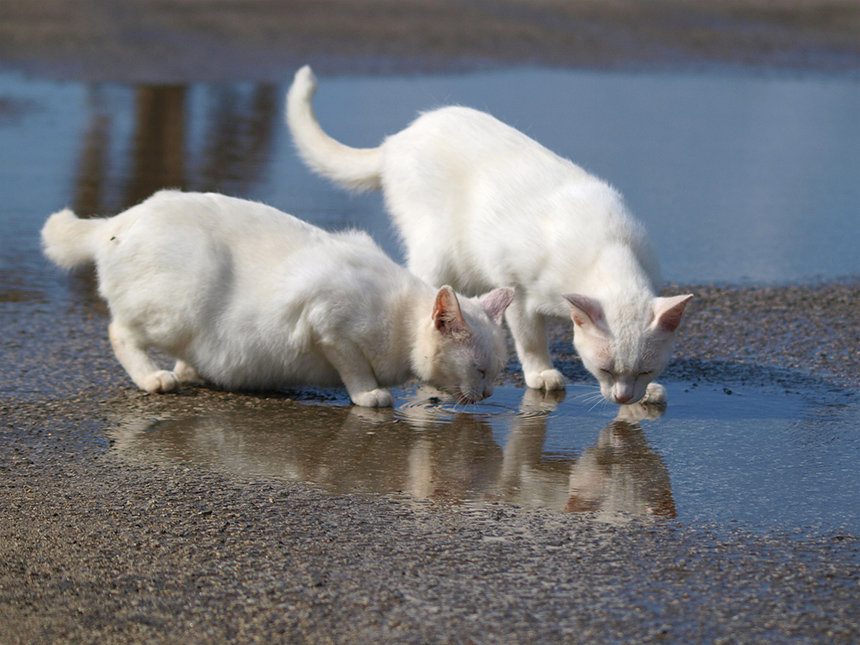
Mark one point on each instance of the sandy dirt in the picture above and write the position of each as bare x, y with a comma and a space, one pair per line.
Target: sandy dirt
142, 40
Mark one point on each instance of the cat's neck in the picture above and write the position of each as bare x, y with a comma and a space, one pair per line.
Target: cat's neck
407, 323
618, 274
418, 329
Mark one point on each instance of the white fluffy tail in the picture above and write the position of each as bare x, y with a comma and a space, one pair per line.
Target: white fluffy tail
355, 168
69, 241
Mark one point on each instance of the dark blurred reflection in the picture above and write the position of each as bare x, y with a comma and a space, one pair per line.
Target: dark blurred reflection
238, 144
92, 171
451, 458
234, 144
158, 151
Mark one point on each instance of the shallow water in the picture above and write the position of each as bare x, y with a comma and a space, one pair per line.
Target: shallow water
738, 178
753, 455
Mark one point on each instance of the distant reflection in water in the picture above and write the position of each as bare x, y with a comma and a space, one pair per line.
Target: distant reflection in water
423, 449
240, 125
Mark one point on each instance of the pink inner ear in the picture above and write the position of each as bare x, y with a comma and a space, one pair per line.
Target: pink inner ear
446, 311
495, 302
585, 311
669, 311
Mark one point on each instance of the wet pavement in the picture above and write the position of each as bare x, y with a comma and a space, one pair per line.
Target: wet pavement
211, 517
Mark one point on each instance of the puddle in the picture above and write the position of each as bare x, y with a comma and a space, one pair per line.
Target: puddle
700, 158
713, 455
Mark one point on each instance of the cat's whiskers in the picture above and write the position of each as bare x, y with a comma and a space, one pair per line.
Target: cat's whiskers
460, 400
589, 395
600, 401
594, 397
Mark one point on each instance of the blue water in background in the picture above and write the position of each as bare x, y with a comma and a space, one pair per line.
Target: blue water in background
739, 178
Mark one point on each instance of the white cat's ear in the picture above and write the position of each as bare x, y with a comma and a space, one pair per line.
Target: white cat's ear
446, 312
495, 302
668, 312
586, 312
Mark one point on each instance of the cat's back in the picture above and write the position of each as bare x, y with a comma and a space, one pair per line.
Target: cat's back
460, 146
184, 226
463, 128
198, 242
221, 216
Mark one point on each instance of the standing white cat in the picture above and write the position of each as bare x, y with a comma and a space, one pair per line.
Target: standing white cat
248, 297
479, 205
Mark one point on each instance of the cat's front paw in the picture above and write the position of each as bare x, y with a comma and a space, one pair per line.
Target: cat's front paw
160, 381
546, 380
654, 394
379, 398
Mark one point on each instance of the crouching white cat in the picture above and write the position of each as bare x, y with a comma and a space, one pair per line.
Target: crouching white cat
480, 205
247, 297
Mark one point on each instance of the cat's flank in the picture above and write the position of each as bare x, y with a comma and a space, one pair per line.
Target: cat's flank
247, 297
478, 205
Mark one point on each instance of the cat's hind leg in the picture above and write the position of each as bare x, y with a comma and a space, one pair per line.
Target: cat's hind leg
131, 353
530, 338
186, 374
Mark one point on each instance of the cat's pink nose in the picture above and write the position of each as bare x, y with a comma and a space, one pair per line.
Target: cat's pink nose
623, 392
488, 391
623, 395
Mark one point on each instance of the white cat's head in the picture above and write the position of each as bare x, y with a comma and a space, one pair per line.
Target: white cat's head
461, 345
627, 346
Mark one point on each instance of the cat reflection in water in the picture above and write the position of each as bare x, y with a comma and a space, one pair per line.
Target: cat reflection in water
424, 450
621, 473
479, 205
247, 297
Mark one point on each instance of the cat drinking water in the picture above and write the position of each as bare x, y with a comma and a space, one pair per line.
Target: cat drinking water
247, 297
479, 205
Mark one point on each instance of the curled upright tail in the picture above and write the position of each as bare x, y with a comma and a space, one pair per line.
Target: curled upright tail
69, 241
356, 168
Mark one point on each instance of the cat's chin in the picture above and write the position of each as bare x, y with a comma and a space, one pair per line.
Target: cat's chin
462, 398
655, 394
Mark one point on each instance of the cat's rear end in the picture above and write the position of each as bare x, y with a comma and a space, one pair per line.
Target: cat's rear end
69, 241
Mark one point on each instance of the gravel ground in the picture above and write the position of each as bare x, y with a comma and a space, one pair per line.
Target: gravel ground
95, 549
98, 550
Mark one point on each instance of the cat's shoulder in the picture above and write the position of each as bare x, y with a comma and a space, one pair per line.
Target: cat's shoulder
357, 241
456, 114
466, 125
218, 208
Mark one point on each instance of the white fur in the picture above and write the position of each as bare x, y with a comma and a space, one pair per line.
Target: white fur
479, 204
248, 297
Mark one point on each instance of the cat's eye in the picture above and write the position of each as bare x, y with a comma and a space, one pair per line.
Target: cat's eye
482, 373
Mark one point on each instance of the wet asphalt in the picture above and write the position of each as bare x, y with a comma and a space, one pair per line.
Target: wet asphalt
96, 549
